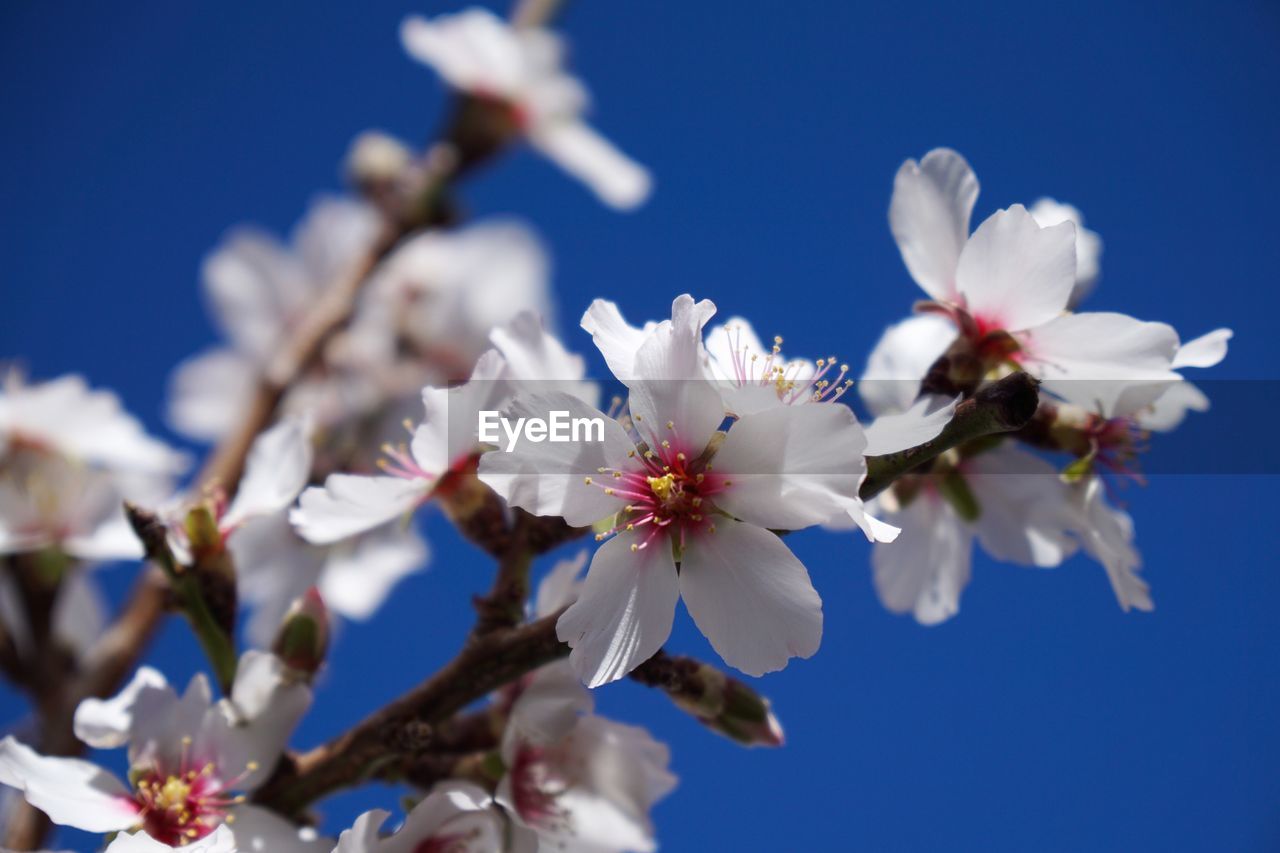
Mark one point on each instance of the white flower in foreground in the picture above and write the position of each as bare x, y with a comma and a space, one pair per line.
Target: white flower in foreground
1048, 212
64, 416
190, 758
259, 290
445, 444
1008, 287
456, 817
480, 54
1010, 501
691, 495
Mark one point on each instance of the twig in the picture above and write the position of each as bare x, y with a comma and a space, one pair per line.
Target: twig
481, 666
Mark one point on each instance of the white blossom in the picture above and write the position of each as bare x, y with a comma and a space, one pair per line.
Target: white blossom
190, 758
480, 54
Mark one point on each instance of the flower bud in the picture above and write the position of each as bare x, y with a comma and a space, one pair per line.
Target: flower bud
377, 159
303, 638
722, 704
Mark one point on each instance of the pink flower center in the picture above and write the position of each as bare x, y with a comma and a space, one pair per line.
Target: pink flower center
666, 492
536, 783
180, 807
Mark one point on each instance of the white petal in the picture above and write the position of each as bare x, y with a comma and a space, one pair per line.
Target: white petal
254, 284
576, 147
207, 391
617, 340
349, 504
561, 585
112, 539
624, 613
1047, 212
791, 467
926, 418
1169, 410
891, 381
257, 830
265, 706
472, 49
751, 597
929, 217
1091, 359
219, 841
274, 566
70, 791
927, 568
1107, 535
359, 575
550, 705
80, 613
364, 835
108, 723
1015, 275
277, 468
1205, 351
536, 356
551, 477
1025, 508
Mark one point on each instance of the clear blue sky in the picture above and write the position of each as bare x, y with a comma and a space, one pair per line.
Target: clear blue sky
1042, 718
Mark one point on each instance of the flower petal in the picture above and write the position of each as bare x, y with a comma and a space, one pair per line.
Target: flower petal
926, 569
617, 340
359, 575
1205, 351
1015, 275
576, 147
256, 829
1091, 359
349, 504
625, 611
1025, 508
561, 585
791, 467
70, 791
1107, 535
108, 723
751, 597
220, 840
926, 418
278, 466
929, 217
890, 383
555, 477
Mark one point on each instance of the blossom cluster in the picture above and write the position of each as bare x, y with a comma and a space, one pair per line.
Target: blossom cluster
718, 449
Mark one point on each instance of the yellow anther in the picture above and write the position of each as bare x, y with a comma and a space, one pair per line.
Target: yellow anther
671, 424
662, 486
608, 491
635, 547
587, 480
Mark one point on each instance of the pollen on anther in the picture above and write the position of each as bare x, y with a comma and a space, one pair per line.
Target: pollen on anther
587, 480
608, 491
635, 547
671, 424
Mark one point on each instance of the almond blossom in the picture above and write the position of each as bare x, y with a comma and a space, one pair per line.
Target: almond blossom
521, 70
259, 290
444, 446
1008, 286
191, 760
680, 490
1046, 212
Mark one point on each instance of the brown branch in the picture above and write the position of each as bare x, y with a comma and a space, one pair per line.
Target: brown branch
482, 666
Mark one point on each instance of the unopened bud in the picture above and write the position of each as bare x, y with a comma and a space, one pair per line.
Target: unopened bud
723, 704
377, 159
203, 536
303, 639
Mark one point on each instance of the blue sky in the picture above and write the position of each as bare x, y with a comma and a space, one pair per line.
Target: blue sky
1042, 717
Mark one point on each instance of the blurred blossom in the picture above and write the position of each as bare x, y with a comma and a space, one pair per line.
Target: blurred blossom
520, 70
455, 817
444, 445
259, 290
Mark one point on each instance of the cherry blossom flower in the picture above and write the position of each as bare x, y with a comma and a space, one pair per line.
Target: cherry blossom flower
455, 817
259, 290
1046, 212
689, 494
91, 427
220, 841
191, 760
521, 70
446, 443
1106, 534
